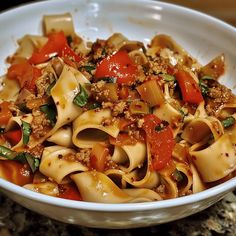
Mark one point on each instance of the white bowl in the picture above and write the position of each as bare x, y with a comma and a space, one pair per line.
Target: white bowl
203, 36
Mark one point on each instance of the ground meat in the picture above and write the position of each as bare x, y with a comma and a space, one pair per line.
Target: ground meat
217, 96
43, 82
40, 124
84, 156
37, 151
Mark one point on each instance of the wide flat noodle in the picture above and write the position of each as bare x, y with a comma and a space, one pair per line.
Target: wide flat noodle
53, 164
89, 128
97, 187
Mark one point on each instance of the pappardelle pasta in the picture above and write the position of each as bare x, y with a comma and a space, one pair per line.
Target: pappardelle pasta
113, 121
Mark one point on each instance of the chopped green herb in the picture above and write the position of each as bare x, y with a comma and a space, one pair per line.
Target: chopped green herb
50, 86
50, 112
104, 52
203, 87
229, 121
108, 79
93, 105
167, 77
206, 77
81, 98
8, 153
177, 175
88, 68
22, 157
159, 127
26, 132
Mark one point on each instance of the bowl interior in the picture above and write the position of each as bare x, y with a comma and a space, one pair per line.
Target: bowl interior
202, 36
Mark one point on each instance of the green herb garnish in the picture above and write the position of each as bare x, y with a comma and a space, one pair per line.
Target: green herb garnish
177, 175
167, 77
50, 112
93, 105
81, 98
108, 79
88, 68
50, 86
22, 157
26, 132
229, 121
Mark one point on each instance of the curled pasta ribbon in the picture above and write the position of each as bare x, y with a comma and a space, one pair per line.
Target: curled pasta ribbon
53, 164
168, 113
16, 123
119, 42
198, 185
89, 128
63, 94
138, 57
62, 137
57, 23
149, 179
11, 90
135, 155
116, 176
185, 186
201, 129
228, 109
97, 187
48, 188
27, 45
220, 156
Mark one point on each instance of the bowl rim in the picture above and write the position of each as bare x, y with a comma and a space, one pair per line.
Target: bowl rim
219, 190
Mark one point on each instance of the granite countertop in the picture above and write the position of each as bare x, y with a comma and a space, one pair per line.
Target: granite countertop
220, 219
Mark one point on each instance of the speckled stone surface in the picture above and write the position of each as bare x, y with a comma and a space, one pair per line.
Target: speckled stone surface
219, 219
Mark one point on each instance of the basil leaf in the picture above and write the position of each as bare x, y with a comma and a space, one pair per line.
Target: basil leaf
22, 157
94, 105
88, 68
8, 153
108, 79
81, 98
177, 175
206, 77
167, 77
26, 132
203, 87
50, 112
229, 121
50, 86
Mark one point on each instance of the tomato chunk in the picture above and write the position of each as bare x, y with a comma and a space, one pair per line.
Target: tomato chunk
161, 141
119, 66
56, 45
189, 88
16, 172
98, 157
69, 191
13, 136
5, 113
25, 74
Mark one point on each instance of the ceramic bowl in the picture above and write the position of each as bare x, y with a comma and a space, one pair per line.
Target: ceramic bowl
201, 35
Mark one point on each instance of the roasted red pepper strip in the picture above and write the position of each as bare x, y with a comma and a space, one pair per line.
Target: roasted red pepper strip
13, 136
119, 66
160, 138
56, 45
189, 88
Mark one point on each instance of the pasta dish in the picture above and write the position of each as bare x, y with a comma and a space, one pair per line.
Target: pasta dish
114, 120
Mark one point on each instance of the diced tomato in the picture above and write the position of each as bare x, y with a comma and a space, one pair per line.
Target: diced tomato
123, 123
69, 191
25, 74
189, 88
160, 139
5, 113
56, 45
15, 172
122, 139
13, 136
98, 157
123, 92
119, 66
